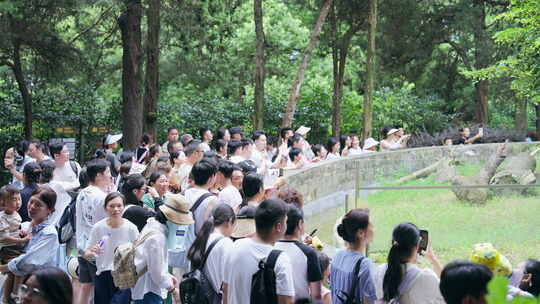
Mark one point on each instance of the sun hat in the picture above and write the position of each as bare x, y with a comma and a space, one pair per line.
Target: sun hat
245, 223
392, 131
486, 254
111, 139
303, 130
176, 209
370, 143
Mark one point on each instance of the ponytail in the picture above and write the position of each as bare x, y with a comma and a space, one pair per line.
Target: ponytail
221, 214
405, 238
196, 252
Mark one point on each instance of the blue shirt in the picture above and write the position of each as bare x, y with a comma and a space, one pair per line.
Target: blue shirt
342, 276
40, 251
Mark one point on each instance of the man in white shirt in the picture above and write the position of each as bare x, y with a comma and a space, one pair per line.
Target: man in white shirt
307, 274
206, 138
66, 172
38, 151
247, 253
230, 194
90, 210
198, 196
193, 154
236, 151
172, 135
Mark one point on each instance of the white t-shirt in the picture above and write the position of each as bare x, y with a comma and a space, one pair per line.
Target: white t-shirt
126, 233
305, 265
89, 210
243, 263
62, 201
192, 195
357, 151
205, 147
214, 267
236, 159
230, 196
330, 156
66, 177
424, 289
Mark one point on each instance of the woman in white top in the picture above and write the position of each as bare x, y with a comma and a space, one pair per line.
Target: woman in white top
105, 236
355, 148
332, 146
216, 230
400, 279
393, 141
152, 287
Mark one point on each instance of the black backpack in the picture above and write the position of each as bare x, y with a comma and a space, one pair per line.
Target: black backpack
263, 282
195, 287
350, 296
66, 224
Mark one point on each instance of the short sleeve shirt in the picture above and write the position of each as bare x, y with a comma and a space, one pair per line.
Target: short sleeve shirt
243, 263
10, 225
305, 265
342, 276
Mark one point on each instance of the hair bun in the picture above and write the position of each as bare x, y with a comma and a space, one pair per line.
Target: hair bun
341, 231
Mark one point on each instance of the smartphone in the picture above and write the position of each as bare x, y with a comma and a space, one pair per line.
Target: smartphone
313, 232
424, 239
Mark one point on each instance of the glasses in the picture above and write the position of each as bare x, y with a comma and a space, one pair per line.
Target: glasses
33, 292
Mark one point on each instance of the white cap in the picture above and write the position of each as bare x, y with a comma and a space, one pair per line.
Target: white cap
111, 139
392, 131
303, 130
370, 143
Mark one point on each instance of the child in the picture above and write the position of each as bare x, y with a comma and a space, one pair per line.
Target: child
11, 242
105, 236
325, 268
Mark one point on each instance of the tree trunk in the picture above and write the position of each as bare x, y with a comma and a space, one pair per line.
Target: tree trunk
288, 117
23, 88
367, 113
151, 82
132, 106
482, 60
521, 120
258, 122
339, 54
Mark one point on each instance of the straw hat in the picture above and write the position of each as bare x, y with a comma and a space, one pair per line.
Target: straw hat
176, 209
303, 130
245, 223
370, 143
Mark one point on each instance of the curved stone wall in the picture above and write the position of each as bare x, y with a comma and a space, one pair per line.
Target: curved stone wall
324, 179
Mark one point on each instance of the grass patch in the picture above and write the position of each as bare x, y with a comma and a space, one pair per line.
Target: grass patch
510, 223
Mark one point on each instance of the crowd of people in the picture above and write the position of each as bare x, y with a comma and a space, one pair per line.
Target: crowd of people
213, 205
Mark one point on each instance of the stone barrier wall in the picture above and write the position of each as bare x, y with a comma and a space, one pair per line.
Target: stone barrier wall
323, 179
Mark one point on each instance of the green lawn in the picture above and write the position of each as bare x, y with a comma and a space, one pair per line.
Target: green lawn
512, 224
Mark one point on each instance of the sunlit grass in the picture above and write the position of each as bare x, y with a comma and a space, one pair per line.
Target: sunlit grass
511, 223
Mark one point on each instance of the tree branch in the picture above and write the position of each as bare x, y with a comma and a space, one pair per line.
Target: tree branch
461, 53
4, 60
498, 3
100, 18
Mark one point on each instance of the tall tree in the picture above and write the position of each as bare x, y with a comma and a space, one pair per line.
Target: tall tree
367, 113
482, 54
258, 122
29, 32
290, 109
132, 106
151, 81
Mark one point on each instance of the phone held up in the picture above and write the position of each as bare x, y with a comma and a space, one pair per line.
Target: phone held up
424, 239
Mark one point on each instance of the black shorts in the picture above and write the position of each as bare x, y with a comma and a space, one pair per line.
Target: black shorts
8, 253
87, 271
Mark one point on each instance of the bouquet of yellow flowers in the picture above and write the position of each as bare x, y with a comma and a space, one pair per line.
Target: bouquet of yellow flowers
316, 243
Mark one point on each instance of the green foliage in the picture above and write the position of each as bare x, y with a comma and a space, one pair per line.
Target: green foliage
497, 291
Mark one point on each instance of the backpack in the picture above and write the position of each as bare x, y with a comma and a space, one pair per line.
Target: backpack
196, 287
350, 297
124, 272
66, 225
263, 282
